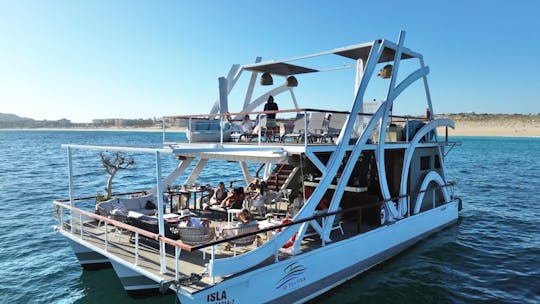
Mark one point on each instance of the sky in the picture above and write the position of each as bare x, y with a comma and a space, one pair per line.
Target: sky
83, 60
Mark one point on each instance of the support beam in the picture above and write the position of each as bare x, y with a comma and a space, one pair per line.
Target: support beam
247, 176
196, 171
167, 181
70, 182
161, 224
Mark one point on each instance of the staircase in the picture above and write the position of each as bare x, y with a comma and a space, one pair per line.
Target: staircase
279, 176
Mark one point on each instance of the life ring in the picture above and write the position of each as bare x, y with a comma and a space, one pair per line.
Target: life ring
290, 242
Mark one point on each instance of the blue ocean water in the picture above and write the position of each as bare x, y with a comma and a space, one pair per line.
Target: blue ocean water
491, 256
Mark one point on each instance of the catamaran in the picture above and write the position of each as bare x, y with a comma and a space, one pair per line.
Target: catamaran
368, 184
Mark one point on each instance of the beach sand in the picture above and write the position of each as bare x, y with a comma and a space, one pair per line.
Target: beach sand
514, 125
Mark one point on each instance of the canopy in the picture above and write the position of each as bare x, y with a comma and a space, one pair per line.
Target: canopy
354, 52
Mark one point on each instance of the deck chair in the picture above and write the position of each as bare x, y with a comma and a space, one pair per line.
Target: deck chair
336, 124
244, 241
299, 130
316, 127
196, 235
254, 134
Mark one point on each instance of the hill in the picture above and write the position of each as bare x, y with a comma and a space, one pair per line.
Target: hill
12, 118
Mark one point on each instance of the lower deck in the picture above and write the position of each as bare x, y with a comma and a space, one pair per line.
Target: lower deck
121, 244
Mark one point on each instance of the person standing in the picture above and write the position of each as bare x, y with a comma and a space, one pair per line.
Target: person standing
326, 123
271, 125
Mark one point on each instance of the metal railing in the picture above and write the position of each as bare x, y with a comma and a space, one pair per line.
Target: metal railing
260, 135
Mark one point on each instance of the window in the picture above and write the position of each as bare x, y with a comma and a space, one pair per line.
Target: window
425, 163
437, 162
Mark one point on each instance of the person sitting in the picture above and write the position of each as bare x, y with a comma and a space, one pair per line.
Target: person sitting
219, 195
235, 200
235, 128
298, 202
247, 124
245, 219
257, 200
187, 219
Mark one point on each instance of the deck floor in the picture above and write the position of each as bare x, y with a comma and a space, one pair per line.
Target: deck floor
120, 245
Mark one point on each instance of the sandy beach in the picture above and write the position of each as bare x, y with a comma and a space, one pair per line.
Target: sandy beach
513, 125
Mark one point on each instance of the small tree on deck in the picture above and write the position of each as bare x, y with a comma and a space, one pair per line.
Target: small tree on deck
112, 163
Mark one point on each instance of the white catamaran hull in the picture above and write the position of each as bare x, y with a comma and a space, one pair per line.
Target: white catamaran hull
132, 278
88, 258
308, 275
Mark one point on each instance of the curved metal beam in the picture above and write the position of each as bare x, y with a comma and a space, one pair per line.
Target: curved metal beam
409, 152
432, 176
379, 155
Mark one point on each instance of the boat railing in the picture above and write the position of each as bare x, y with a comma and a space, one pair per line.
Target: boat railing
322, 215
305, 125
79, 218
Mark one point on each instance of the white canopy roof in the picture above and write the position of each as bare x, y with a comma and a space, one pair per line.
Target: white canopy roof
354, 52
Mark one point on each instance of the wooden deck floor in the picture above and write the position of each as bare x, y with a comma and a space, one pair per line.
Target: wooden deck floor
120, 245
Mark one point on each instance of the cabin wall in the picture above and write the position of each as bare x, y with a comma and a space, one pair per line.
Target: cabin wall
423, 161
394, 166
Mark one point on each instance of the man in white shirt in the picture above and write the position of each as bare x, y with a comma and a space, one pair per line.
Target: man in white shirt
247, 124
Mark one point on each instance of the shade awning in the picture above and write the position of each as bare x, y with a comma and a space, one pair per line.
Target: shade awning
280, 68
354, 52
363, 53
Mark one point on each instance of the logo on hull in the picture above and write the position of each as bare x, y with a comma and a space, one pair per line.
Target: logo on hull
292, 278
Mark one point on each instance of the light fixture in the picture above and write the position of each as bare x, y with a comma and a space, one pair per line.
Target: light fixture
291, 82
385, 72
266, 79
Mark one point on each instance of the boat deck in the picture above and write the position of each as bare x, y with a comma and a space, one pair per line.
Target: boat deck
121, 245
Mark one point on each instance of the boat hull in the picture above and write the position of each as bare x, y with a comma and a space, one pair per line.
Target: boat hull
313, 273
88, 258
133, 279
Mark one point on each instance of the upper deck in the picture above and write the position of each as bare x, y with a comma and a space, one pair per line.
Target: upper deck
299, 131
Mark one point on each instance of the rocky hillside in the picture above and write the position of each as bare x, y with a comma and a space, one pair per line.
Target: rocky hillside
12, 118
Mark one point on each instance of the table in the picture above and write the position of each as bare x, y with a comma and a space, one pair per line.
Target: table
230, 215
195, 191
172, 218
267, 224
350, 193
185, 192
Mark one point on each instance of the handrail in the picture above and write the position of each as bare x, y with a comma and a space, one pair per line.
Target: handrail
140, 231
259, 170
279, 111
186, 247
63, 200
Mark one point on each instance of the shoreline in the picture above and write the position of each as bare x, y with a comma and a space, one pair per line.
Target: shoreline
466, 129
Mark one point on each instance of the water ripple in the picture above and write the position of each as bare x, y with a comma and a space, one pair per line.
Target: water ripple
490, 256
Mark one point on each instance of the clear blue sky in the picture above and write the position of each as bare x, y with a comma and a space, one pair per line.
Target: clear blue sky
101, 59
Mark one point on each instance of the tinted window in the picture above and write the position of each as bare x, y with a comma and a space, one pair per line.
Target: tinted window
424, 163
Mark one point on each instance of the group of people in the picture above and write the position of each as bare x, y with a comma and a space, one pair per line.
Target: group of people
249, 127
223, 199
